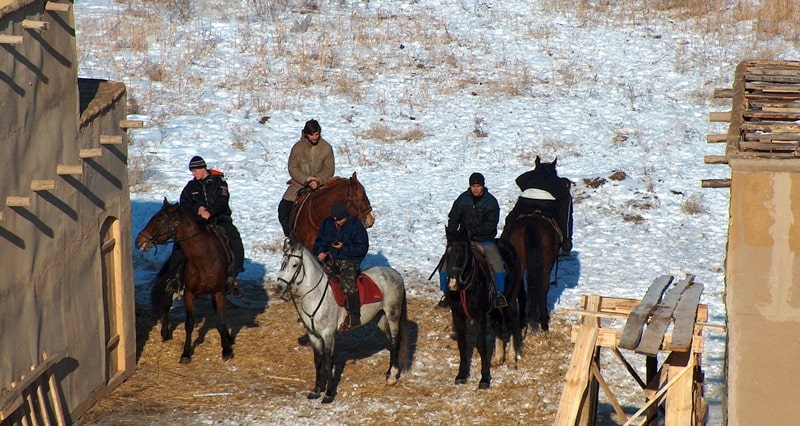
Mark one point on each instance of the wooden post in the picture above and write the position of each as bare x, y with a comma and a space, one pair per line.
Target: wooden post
43, 185
715, 159
716, 138
679, 397
56, 7
131, 124
90, 153
29, 24
715, 183
10, 39
110, 139
719, 116
65, 169
18, 201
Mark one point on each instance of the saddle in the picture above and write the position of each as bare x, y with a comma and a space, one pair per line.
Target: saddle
220, 233
551, 220
368, 291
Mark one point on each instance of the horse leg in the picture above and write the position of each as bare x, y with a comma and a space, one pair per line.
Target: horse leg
460, 325
218, 304
188, 302
166, 305
329, 376
483, 350
319, 382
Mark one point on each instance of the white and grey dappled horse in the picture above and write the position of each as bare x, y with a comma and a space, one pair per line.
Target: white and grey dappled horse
303, 280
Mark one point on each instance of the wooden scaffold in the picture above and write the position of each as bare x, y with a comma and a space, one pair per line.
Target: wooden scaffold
673, 390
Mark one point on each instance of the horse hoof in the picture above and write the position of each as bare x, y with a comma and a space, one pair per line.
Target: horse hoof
461, 381
327, 399
185, 360
483, 385
227, 357
391, 382
313, 395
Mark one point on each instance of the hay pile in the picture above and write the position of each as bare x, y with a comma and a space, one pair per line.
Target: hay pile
267, 381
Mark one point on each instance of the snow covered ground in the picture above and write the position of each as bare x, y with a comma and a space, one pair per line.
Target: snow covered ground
416, 95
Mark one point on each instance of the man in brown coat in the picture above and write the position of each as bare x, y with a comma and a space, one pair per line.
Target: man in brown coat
311, 163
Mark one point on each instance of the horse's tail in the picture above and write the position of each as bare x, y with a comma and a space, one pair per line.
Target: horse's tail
403, 358
534, 253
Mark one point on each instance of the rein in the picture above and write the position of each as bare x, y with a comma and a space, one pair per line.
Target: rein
467, 274
294, 299
172, 231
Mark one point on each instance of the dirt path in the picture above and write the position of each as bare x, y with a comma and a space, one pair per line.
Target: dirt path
267, 381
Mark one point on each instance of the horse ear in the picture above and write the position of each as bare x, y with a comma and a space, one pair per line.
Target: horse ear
555, 161
354, 177
538, 161
166, 203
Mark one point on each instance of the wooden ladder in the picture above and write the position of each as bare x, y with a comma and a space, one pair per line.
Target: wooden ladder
677, 384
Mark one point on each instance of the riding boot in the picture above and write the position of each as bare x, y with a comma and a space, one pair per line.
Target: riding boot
353, 320
498, 298
566, 247
443, 302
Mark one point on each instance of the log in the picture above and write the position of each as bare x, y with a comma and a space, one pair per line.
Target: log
110, 139
65, 169
30, 24
131, 124
715, 183
723, 116
715, 159
717, 138
10, 39
18, 201
56, 7
43, 185
90, 153
723, 93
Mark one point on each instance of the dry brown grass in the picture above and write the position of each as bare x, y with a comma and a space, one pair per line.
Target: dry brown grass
270, 373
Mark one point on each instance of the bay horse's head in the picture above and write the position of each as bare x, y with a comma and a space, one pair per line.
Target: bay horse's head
292, 271
161, 228
358, 203
458, 259
546, 168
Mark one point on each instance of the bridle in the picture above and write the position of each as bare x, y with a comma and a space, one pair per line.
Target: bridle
465, 274
170, 225
293, 281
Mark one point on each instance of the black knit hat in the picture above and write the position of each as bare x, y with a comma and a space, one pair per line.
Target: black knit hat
197, 162
339, 211
477, 178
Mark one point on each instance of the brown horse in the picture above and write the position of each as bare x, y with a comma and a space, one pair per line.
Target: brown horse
310, 210
537, 241
204, 273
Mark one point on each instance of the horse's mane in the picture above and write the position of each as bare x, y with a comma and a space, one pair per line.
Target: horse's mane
335, 180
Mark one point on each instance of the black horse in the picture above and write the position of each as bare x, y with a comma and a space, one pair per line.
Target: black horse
469, 279
205, 272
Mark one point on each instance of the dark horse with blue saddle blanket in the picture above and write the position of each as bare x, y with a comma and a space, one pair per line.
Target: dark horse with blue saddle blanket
205, 272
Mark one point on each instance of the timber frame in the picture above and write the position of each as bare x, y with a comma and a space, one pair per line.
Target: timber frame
677, 384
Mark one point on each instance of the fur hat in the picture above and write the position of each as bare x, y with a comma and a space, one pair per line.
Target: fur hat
477, 178
339, 211
197, 162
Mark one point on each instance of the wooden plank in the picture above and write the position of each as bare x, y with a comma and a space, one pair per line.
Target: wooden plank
10, 39
56, 7
767, 147
771, 127
657, 396
678, 403
750, 96
653, 335
773, 87
715, 159
632, 331
715, 183
719, 116
609, 393
18, 201
2, 216
43, 185
723, 93
792, 77
685, 318
111, 139
90, 153
772, 137
11, 401
717, 138
576, 381
771, 116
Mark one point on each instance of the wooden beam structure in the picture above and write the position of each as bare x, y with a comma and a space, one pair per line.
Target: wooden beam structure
18, 201
29, 24
10, 39
66, 169
131, 124
90, 153
677, 384
43, 185
111, 139
52, 6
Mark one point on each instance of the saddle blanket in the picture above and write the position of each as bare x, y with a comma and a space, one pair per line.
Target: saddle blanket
368, 291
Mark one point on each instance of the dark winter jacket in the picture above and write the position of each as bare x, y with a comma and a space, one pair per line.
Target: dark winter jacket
212, 193
542, 179
479, 216
352, 235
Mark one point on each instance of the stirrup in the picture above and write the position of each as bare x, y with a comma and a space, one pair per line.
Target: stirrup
233, 289
499, 300
348, 324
